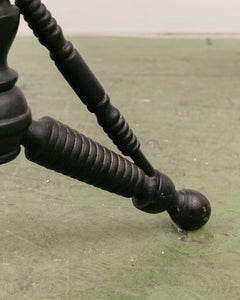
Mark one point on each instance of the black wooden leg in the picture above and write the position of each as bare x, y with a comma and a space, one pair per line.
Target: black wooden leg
82, 80
58, 147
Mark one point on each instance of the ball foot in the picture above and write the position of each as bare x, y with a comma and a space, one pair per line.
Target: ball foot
191, 211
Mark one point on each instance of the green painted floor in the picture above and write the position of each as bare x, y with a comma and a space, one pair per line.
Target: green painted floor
62, 239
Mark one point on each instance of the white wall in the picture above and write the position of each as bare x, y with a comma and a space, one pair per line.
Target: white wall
221, 16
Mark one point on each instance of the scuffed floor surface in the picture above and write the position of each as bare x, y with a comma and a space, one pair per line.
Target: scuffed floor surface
61, 239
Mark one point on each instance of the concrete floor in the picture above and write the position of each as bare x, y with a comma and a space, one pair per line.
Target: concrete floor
62, 239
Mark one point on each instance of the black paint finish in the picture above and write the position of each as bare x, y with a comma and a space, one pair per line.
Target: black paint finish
82, 80
56, 146
15, 116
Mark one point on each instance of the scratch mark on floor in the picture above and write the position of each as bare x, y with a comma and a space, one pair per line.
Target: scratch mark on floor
17, 236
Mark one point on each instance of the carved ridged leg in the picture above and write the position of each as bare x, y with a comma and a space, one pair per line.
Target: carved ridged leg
58, 147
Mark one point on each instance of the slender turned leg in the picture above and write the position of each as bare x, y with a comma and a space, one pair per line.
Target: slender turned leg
82, 80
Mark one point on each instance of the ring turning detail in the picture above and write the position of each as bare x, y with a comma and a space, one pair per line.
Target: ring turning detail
56, 146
